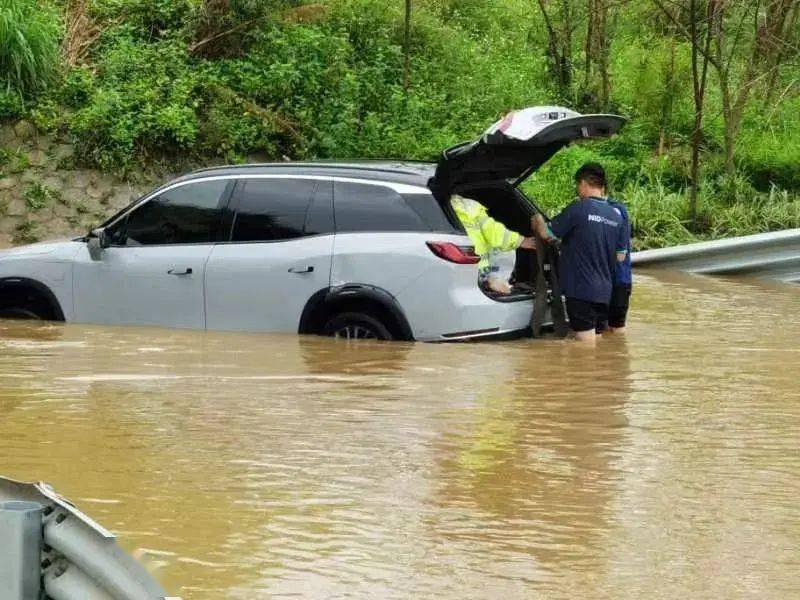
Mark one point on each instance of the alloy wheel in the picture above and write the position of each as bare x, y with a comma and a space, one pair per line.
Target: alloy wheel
354, 332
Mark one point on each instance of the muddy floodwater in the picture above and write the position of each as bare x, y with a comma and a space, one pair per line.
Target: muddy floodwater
665, 464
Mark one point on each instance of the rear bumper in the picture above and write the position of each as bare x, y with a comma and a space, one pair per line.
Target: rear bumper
441, 308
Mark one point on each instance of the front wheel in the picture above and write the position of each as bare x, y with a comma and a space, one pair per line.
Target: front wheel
356, 326
19, 313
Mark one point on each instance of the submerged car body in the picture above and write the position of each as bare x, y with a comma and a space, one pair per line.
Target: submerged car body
363, 249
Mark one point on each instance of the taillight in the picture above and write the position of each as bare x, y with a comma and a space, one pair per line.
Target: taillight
462, 255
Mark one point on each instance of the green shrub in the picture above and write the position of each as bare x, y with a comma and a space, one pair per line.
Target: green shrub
146, 19
11, 106
26, 232
47, 116
29, 32
38, 196
13, 161
144, 107
76, 90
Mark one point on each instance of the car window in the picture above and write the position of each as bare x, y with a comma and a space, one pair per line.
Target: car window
431, 212
365, 207
269, 210
187, 214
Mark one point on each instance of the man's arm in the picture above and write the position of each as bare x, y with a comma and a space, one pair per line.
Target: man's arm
623, 238
561, 224
541, 229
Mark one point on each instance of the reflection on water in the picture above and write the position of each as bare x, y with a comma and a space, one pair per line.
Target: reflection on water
661, 465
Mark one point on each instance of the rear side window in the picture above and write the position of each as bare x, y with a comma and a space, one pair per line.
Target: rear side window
365, 207
430, 211
188, 214
269, 210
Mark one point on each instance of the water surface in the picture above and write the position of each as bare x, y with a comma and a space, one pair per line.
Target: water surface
663, 464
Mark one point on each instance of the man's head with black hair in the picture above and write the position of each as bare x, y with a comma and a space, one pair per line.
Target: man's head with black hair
590, 180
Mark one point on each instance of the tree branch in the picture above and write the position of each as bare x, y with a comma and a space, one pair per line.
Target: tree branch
213, 38
682, 29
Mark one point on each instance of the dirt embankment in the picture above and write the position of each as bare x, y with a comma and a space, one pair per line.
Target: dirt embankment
44, 195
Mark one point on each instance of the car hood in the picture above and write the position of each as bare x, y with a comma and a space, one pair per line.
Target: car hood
516, 146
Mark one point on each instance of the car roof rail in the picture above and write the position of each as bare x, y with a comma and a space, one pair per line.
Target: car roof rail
374, 165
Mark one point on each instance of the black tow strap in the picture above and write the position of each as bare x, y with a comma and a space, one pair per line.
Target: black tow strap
547, 259
557, 307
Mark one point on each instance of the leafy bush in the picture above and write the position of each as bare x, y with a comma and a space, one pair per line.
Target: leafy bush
13, 161
76, 90
26, 232
143, 108
47, 116
38, 196
11, 106
148, 20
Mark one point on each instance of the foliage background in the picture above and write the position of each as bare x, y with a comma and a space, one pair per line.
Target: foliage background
144, 83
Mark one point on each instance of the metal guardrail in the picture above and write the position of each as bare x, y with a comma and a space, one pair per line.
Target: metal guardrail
773, 255
47, 545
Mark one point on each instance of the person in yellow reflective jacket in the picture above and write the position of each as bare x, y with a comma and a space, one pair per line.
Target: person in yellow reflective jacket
490, 238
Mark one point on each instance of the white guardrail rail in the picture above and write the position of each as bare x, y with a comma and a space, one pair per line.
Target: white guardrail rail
49, 549
773, 255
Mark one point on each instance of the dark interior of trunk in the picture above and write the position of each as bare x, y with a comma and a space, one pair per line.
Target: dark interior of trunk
507, 204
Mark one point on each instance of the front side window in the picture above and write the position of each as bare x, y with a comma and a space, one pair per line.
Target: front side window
187, 214
269, 210
371, 208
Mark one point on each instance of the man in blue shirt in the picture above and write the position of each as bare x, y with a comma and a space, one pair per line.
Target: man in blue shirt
623, 282
594, 239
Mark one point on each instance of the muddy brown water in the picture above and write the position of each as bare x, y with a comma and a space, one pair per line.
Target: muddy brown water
665, 464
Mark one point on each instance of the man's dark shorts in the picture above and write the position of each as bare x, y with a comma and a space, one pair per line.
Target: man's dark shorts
620, 300
584, 316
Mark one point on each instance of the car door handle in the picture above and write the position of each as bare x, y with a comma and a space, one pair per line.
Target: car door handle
186, 271
308, 269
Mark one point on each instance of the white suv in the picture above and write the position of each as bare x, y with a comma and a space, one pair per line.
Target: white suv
356, 250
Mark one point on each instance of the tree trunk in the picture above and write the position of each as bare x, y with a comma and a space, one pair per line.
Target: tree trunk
407, 48
596, 78
781, 18
700, 60
734, 103
588, 47
558, 51
668, 102
602, 54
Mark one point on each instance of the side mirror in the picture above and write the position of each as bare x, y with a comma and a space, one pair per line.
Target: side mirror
97, 242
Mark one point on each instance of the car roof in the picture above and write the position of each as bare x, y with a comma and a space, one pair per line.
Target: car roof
406, 172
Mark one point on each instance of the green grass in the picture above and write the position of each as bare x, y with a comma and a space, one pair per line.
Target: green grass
29, 38
660, 217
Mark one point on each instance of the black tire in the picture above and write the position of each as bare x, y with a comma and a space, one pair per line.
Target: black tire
356, 326
19, 314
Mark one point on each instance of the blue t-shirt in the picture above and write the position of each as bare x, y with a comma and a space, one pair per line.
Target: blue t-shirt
591, 232
624, 275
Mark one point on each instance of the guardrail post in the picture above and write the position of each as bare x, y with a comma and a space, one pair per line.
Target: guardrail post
20, 555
